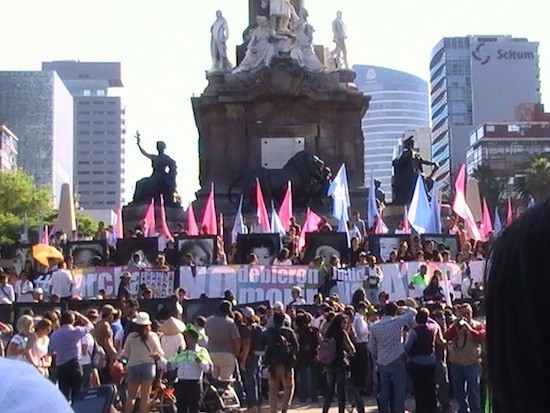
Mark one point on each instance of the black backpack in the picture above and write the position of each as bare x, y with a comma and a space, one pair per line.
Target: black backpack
279, 350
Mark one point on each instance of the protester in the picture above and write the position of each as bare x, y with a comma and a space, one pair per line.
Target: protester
141, 351
420, 348
434, 291
191, 365
18, 345
61, 282
24, 288
281, 349
467, 336
104, 337
373, 279
65, 342
386, 346
361, 363
306, 374
252, 360
224, 342
124, 293
297, 298
38, 346
7, 293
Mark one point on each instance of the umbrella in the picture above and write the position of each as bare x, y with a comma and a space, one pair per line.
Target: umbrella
44, 253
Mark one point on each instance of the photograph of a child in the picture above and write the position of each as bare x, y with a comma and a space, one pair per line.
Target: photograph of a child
265, 246
202, 249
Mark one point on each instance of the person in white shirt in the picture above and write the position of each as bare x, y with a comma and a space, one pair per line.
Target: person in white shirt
361, 360
373, 279
283, 258
61, 282
137, 261
24, 288
297, 298
7, 293
323, 310
191, 365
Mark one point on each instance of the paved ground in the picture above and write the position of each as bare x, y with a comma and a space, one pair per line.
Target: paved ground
370, 406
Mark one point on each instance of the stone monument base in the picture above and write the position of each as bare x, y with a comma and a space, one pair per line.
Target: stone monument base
132, 215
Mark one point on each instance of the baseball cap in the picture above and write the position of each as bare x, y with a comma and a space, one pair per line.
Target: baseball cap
248, 312
108, 309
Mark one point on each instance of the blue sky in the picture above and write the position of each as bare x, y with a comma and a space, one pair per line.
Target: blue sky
164, 49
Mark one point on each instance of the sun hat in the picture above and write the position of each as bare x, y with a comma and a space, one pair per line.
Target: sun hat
126, 274
142, 319
192, 329
172, 326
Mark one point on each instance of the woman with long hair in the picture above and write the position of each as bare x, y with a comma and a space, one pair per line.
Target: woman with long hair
141, 351
38, 345
336, 371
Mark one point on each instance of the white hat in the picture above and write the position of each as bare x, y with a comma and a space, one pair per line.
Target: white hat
142, 319
279, 306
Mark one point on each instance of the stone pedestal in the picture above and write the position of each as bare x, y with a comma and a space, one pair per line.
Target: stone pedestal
133, 214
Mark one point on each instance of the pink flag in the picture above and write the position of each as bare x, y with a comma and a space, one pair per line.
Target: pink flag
192, 228
45, 238
149, 220
487, 223
509, 213
311, 225
406, 225
209, 219
164, 230
119, 230
261, 212
461, 208
381, 227
285, 211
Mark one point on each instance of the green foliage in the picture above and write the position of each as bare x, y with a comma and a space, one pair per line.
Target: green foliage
490, 187
537, 179
19, 195
87, 227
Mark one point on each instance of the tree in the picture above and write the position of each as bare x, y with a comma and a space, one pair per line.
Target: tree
490, 187
87, 227
19, 195
537, 179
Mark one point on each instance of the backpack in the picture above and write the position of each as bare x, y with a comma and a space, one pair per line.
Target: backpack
99, 357
279, 351
326, 351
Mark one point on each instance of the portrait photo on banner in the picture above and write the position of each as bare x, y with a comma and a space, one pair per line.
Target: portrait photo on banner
326, 244
201, 247
87, 253
443, 242
146, 248
382, 245
15, 255
265, 246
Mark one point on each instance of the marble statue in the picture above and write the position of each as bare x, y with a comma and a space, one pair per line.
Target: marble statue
302, 49
340, 53
406, 169
261, 47
161, 182
218, 48
280, 13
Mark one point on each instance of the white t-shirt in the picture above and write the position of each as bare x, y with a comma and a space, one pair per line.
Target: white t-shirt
23, 287
61, 283
86, 357
7, 294
288, 261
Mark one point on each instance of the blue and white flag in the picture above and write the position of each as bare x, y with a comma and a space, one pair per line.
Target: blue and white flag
497, 223
238, 227
339, 191
419, 213
435, 211
277, 226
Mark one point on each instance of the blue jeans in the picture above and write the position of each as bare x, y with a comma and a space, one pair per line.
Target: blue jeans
306, 383
252, 379
393, 376
466, 386
336, 377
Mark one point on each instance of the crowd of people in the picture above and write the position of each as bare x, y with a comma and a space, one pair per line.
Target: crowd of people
343, 352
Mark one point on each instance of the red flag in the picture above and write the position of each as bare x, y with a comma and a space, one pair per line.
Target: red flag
209, 219
45, 238
311, 225
285, 210
149, 220
487, 223
119, 230
509, 213
164, 230
192, 228
261, 212
461, 208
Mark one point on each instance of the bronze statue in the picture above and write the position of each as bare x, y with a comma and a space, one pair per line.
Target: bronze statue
309, 175
405, 170
161, 182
